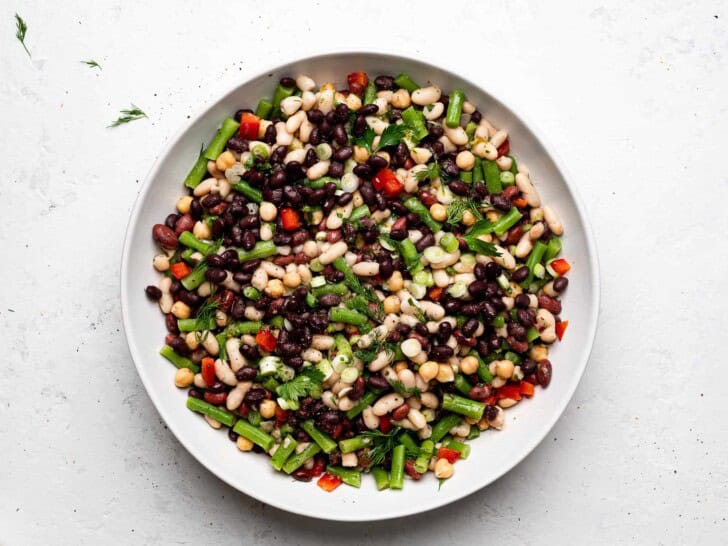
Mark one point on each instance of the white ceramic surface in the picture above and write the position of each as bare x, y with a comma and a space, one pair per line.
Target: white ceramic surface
494, 453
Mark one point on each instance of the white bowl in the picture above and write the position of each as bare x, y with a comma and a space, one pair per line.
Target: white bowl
494, 453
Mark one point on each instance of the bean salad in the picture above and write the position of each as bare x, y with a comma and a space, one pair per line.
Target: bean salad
359, 280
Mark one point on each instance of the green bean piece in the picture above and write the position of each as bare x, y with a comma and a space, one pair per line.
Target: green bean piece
409, 253
197, 173
350, 278
455, 108
339, 288
478, 170
217, 146
483, 371
254, 417
348, 475
347, 316
251, 293
270, 383
403, 80
396, 479
474, 433
343, 347
381, 478
422, 463
321, 438
413, 204
463, 449
370, 93
552, 249
507, 221
262, 249
359, 212
462, 384
499, 321
282, 93
219, 414
534, 258
407, 441
513, 357
366, 400
189, 240
221, 338
264, 108
195, 324
238, 329
186, 255
532, 335
287, 446
194, 279
491, 172
352, 444
463, 406
467, 176
443, 426
295, 461
415, 120
311, 300
178, 360
514, 165
254, 194
257, 436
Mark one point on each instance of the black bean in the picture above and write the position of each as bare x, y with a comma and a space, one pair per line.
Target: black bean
255, 395
340, 135
171, 323
449, 168
190, 298
528, 366
424, 242
246, 374
238, 144
251, 221
342, 154
522, 301
336, 169
492, 271
249, 351
287, 81
500, 202
171, 220
377, 162
179, 346
329, 300
360, 126
399, 228
315, 116
215, 260
394, 115
344, 199
249, 240
470, 309
250, 266
316, 197
242, 278
470, 326
476, 117
482, 348
495, 343
341, 113
215, 275
386, 267
560, 284
452, 306
153, 293
330, 189
437, 148
458, 187
477, 289
270, 135
384, 82
195, 393
516, 330
435, 131
363, 171
526, 317
368, 110
444, 331
196, 210
520, 274
441, 353
369, 195
378, 382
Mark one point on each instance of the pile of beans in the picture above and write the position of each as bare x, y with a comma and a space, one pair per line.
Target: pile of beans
364, 259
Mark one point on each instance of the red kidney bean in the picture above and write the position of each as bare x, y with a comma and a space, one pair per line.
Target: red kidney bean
333, 235
514, 235
528, 366
517, 345
378, 382
169, 338
329, 300
384, 82
164, 236
357, 389
170, 322
458, 187
409, 468
179, 346
550, 304
510, 192
516, 330
543, 373
480, 393
520, 274
500, 202
400, 412
427, 198
184, 223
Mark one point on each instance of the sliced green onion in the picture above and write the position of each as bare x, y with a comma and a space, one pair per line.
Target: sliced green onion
449, 242
323, 151
435, 254
349, 375
457, 290
507, 178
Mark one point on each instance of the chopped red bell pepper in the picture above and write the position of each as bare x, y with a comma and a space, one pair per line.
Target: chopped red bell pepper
409, 467
450, 455
357, 82
561, 266
526, 388
208, 371
435, 293
386, 181
328, 483
290, 220
385, 424
519, 202
509, 391
180, 270
318, 467
266, 340
281, 416
561, 328
249, 126
504, 148
215, 398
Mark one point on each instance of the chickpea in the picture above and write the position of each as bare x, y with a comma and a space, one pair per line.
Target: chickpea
275, 288
183, 378
399, 366
225, 160
192, 339
292, 280
244, 444
469, 218
438, 212
539, 353
181, 310
507, 402
361, 155
395, 282
183, 204
401, 99
443, 469
445, 373
391, 304
504, 369
202, 230
465, 160
429, 370
268, 409
268, 211
469, 365
161, 262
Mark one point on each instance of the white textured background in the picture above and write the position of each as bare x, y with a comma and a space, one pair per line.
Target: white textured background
635, 99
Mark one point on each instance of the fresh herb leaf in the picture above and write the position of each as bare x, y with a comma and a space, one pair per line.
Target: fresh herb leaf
481, 247
301, 385
481, 227
399, 388
382, 446
368, 354
456, 210
366, 140
440, 482
128, 115
205, 314
419, 315
391, 135
362, 303
430, 173
93, 64
21, 29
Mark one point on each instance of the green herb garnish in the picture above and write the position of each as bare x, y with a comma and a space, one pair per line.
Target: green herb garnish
21, 29
391, 135
481, 247
456, 210
430, 173
382, 446
399, 388
301, 385
92, 64
366, 140
128, 115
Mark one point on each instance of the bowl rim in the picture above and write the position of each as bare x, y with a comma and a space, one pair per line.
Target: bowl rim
319, 56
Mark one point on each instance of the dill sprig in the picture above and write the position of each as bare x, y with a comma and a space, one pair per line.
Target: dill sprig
368, 354
92, 64
382, 446
430, 173
457, 209
399, 388
20, 29
128, 115
206, 313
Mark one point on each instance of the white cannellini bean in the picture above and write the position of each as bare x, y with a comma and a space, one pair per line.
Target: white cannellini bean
404, 423
529, 192
524, 246
209, 342
377, 125
387, 403
337, 216
366, 269
504, 163
456, 135
322, 342
224, 373
437, 110
345, 403
546, 325
260, 279
468, 107
381, 361
407, 378
353, 102
273, 270
505, 259
349, 460
441, 278
370, 420
266, 232
237, 360
426, 95
283, 137
420, 155
305, 83
429, 400
499, 138
417, 419
329, 400
235, 396
326, 100
230, 283
167, 300
536, 231
212, 422
205, 187
553, 221
294, 122
382, 104
312, 355
414, 402
336, 250
433, 310
295, 155
318, 170
291, 105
